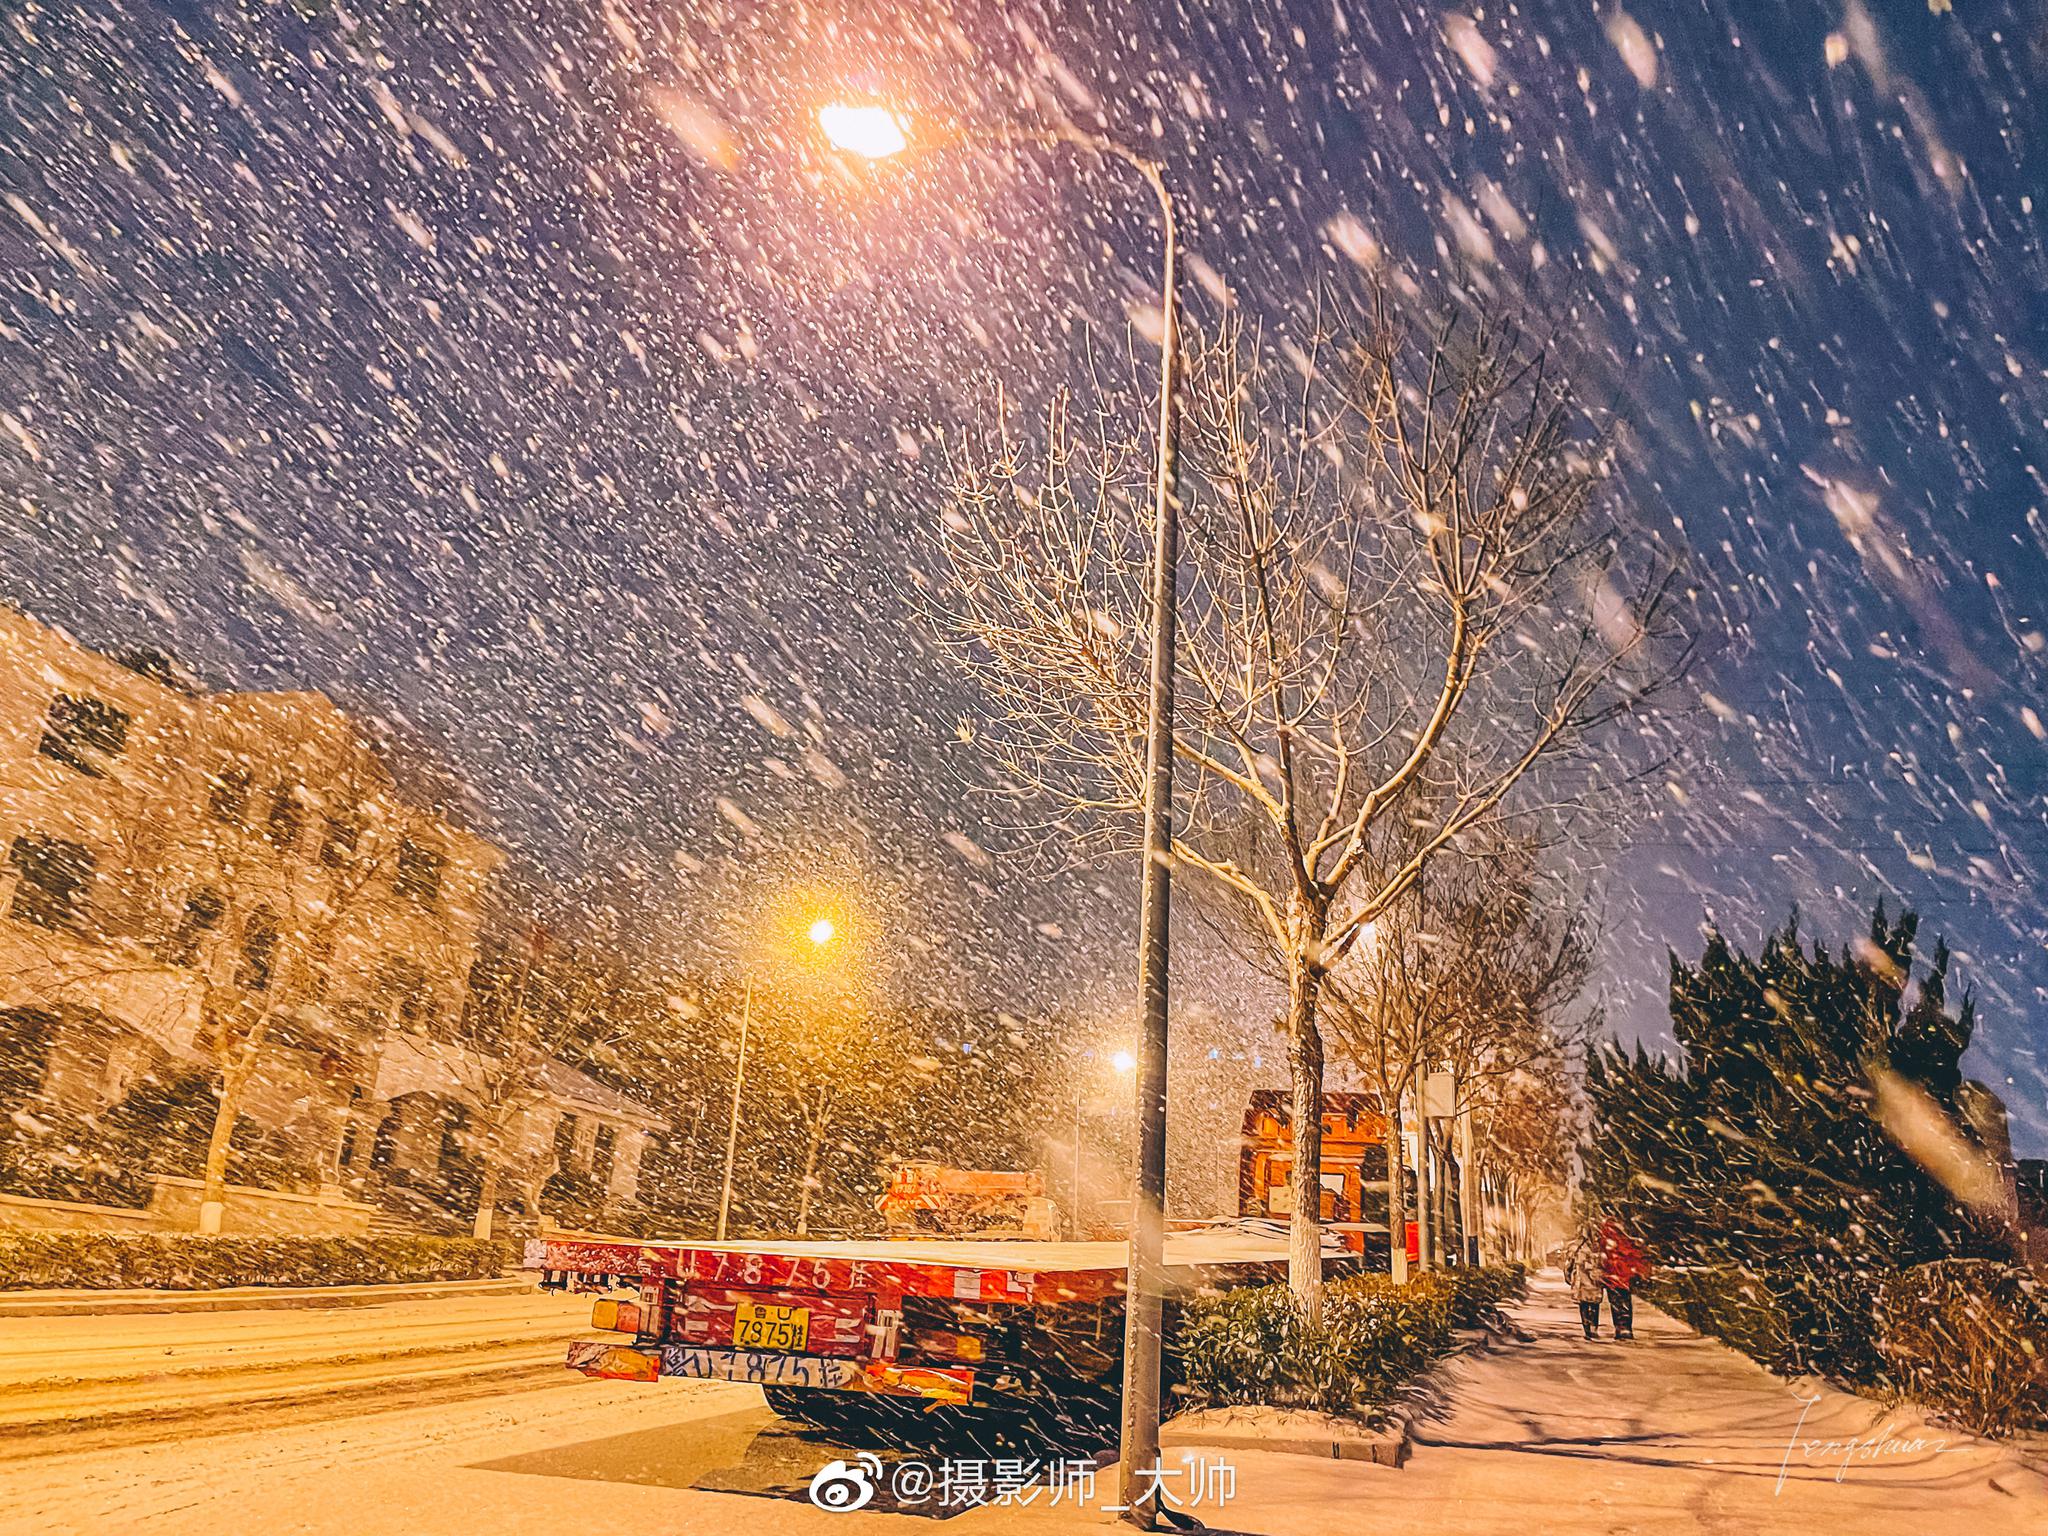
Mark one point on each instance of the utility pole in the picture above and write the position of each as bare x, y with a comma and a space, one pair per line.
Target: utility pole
1145, 1301
732, 1129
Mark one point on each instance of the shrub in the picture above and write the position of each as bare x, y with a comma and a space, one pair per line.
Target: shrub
189, 1262
1737, 1308
1476, 1294
1969, 1336
1252, 1346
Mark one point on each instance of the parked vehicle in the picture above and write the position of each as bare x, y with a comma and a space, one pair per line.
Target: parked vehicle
840, 1333
929, 1199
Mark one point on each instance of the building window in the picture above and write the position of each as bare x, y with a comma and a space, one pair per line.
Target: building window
565, 1143
203, 912
228, 800
338, 847
319, 968
419, 872
259, 953
603, 1154
407, 998
82, 730
450, 1158
286, 819
56, 879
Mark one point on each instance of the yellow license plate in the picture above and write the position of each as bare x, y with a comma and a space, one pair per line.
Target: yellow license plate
762, 1325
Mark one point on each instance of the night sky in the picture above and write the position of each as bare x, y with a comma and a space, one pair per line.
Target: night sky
527, 374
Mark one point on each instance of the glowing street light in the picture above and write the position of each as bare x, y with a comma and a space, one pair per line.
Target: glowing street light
1124, 1062
874, 133
820, 933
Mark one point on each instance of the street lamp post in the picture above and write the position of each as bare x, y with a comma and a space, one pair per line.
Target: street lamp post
732, 1126
877, 133
820, 933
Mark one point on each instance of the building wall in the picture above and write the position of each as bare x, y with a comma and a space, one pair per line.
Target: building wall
151, 817
228, 802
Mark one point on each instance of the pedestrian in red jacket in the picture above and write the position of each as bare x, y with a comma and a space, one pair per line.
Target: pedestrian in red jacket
1622, 1264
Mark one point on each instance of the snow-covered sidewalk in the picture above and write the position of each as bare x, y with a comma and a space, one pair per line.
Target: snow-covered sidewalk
1670, 1433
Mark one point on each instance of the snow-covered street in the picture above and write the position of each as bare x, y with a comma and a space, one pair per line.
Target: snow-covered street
139, 1375
1670, 1433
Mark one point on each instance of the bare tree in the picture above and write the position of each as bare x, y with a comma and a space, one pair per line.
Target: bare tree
826, 1067
1474, 973
546, 1004
1526, 1124
1405, 592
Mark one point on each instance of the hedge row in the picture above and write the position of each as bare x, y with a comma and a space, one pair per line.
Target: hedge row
1969, 1336
1739, 1309
188, 1262
1253, 1346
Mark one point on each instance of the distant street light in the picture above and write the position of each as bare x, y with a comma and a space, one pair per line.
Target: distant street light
1122, 1061
820, 933
876, 133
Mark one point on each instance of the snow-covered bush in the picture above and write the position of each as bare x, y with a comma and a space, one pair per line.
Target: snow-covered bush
1253, 1346
1476, 1295
1739, 1309
188, 1262
1970, 1336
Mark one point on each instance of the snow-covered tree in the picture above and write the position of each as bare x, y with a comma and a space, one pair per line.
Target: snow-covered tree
1404, 593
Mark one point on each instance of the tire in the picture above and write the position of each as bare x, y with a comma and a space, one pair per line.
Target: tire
816, 1407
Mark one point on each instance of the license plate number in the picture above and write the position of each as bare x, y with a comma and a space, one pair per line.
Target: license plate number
762, 1325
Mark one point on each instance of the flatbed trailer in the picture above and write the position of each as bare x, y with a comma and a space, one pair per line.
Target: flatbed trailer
829, 1329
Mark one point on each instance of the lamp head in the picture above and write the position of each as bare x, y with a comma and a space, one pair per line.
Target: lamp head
874, 133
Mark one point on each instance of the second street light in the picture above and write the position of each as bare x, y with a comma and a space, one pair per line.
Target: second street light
876, 133
820, 933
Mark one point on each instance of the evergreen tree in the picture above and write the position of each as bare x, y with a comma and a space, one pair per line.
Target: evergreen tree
1756, 1152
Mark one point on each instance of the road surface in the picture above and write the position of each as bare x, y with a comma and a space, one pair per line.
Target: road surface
1670, 1434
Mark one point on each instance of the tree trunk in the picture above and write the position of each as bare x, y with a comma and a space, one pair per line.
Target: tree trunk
213, 1184
486, 1197
1397, 1196
1425, 1184
1471, 1193
1305, 1062
803, 1199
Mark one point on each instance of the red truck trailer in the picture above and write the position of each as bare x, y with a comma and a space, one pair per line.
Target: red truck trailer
840, 1332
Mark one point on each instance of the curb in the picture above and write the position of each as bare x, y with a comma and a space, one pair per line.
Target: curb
245, 1298
1323, 1436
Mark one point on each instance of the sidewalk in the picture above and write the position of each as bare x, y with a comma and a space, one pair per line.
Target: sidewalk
1670, 1433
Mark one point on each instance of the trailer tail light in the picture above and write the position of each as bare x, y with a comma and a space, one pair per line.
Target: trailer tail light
616, 1316
941, 1344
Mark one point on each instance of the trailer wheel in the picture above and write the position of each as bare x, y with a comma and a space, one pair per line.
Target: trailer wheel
817, 1407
